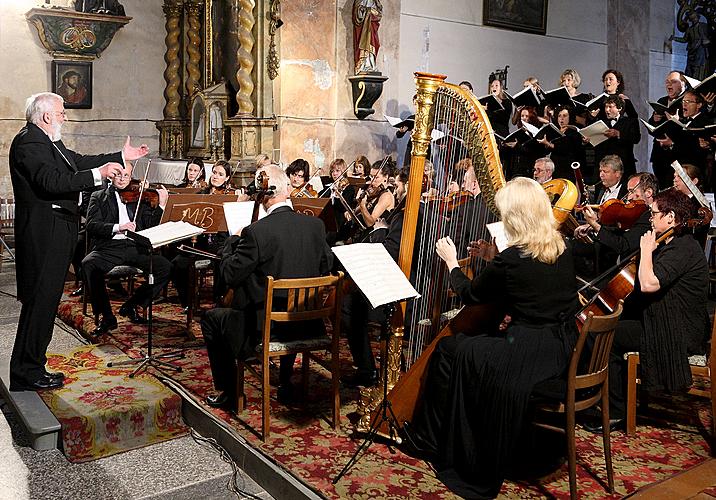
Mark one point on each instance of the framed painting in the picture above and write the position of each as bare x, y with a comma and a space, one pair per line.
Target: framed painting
523, 15
73, 81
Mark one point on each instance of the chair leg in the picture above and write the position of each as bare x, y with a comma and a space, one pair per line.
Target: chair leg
240, 396
571, 454
606, 436
265, 405
335, 389
631, 395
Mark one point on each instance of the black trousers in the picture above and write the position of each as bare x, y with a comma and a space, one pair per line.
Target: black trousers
99, 262
37, 316
357, 312
228, 336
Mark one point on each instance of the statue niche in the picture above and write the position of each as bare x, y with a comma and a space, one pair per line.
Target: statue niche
207, 122
367, 84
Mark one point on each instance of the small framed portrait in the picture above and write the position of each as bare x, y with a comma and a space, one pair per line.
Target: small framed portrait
524, 15
73, 81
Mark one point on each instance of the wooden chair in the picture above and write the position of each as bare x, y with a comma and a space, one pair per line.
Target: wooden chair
700, 367
130, 273
7, 227
308, 299
582, 391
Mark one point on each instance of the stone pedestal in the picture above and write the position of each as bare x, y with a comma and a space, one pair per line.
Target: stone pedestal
366, 90
249, 137
172, 138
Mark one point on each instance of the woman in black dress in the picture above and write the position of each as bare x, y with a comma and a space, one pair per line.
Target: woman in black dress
194, 174
669, 305
478, 388
565, 150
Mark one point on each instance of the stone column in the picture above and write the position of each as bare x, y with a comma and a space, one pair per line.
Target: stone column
171, 135
628, 52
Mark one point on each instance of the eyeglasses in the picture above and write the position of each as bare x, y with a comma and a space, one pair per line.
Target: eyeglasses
654, 212
689, 102
60, 113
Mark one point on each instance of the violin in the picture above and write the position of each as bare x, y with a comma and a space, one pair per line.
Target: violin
622, 214
304, 191
133, 192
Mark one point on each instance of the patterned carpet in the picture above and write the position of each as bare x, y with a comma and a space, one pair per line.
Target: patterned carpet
670, 437
103, 411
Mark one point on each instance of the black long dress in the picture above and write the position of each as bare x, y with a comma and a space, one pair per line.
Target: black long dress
478, 387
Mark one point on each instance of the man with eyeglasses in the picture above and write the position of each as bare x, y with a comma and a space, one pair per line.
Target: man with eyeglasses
687, 147
47, 179
543, 170
660, 159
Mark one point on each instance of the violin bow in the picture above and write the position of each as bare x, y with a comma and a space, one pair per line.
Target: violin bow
345, 171
141, 190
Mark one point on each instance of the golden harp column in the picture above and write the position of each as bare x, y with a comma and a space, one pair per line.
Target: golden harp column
193, 49
171, 134
252, 128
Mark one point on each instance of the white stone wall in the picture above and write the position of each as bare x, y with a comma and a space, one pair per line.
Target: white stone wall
128, 82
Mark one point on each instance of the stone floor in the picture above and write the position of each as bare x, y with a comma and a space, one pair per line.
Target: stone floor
177, 469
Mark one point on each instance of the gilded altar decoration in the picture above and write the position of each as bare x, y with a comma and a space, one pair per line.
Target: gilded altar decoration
366, 21
75, 35
272, 60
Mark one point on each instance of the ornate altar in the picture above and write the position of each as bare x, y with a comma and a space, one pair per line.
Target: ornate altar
229, 43
208, 114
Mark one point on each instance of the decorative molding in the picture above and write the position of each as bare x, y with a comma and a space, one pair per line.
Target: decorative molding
245, 58
74, 35
272, 60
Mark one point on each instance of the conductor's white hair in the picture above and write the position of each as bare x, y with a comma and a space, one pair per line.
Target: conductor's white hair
39, 104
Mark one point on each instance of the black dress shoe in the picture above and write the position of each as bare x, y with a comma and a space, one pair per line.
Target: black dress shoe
361, 379
130, 312
55, 375
38, 385
222, 400
595, 426
105, 326
78, 292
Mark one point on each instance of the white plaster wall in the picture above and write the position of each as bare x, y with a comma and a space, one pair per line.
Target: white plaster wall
462, 48
127, 82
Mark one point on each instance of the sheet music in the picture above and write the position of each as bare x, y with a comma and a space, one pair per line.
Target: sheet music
689, 183
595, 132
712, 206
375, 273
497, 231
238, 215
169, 232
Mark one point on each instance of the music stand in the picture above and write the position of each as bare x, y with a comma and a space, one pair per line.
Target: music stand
148, 359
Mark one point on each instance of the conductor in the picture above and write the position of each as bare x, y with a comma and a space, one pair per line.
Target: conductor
47, 179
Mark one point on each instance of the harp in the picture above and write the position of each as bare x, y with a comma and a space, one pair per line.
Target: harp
462, 139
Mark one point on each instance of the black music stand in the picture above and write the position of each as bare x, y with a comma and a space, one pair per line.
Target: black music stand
148, 359
386, 409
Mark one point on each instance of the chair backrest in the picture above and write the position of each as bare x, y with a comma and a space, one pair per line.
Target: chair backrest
600, 331
7, 212
308, 298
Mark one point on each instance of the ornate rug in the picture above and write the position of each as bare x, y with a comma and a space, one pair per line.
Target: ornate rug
103, 411
670, 439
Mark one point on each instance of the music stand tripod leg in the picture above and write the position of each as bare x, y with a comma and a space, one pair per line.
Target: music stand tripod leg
386, 410
149, 359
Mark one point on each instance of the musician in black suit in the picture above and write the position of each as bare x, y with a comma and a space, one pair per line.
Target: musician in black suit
108, 216
611, 185
47, 179
622, 135
661, 158
283, 244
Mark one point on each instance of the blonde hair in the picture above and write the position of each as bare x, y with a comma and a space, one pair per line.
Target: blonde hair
576, 79
529, 223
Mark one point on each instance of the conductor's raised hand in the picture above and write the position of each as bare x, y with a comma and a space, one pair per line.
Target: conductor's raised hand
110, 170
134, 153
446, 250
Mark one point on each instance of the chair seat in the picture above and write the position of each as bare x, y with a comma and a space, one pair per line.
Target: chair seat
123, 271
695, 360
298, 345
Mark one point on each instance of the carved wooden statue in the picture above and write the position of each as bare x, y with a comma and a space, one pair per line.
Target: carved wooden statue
366, 21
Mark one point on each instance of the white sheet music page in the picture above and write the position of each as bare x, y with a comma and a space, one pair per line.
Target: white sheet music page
169, 232
375, 273
497, 230
238, 214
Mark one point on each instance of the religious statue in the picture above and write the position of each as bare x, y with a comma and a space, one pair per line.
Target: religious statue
366, 21
108, 7
696, 38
